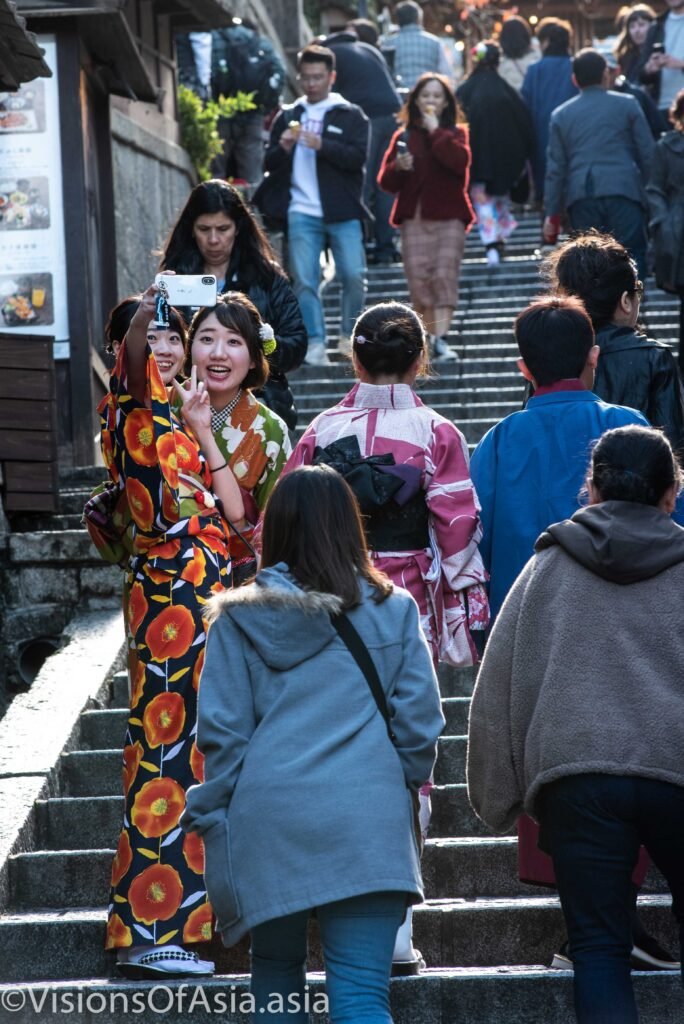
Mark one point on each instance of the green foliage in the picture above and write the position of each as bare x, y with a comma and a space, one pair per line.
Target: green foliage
199, 124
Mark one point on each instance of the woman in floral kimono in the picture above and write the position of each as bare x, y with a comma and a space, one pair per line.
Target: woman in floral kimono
409, 469
252, 439
169, 473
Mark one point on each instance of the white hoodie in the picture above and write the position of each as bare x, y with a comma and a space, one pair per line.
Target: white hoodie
305, 196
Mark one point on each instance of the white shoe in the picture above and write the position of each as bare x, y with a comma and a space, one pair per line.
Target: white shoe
493, 257
317, 355
162, 961
344, 347
442, 350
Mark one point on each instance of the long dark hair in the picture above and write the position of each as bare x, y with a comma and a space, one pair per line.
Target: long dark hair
312, 523
597, 269
515, 37
634, 464
625, 48
410, 115
252, 257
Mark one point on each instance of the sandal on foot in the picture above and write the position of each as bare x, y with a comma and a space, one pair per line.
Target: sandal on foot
164, 961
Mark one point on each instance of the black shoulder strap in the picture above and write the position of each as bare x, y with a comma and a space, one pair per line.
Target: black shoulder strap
361, 656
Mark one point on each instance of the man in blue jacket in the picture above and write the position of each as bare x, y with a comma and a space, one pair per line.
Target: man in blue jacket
598, 161
529, 469
316, 160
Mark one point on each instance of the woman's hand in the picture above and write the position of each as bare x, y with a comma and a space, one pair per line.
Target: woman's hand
430, 121
404, 161
195, 410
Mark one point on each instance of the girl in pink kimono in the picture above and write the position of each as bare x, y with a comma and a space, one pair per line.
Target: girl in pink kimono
409, 469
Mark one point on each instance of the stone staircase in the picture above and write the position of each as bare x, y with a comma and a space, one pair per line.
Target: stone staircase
485, 936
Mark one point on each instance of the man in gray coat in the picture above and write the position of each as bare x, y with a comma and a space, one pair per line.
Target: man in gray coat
598, 161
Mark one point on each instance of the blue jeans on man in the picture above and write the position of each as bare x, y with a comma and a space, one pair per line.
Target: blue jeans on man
593, 826
357, 936
307, 238
623, 218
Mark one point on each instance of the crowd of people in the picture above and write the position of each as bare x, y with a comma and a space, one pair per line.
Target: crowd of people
286, 610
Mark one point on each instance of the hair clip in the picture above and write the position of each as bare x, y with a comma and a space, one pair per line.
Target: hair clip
360, 340
268, 339
479, 52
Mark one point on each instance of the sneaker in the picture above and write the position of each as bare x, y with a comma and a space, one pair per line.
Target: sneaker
441, 349
163, 961
408, 968
649, 955
317, 355
562, 960
493, 257
344, 347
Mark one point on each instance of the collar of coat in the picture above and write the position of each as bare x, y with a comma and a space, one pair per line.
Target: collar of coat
256, 595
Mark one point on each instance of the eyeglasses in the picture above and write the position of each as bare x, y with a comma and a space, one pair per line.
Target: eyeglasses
312, 79
639, 290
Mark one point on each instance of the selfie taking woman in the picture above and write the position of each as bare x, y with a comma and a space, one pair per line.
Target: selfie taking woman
171, 477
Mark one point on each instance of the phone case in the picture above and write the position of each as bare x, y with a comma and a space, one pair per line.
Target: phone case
189, 289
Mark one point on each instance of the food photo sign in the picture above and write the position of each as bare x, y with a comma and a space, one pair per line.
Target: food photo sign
33, 284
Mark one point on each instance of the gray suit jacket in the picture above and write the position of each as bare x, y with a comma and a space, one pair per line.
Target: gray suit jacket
599, 145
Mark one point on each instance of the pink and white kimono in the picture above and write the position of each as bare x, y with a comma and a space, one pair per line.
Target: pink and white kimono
446, 579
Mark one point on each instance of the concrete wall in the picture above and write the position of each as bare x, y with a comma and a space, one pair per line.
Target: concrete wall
153, 177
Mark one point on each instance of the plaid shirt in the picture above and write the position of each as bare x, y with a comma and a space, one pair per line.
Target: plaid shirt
415, 51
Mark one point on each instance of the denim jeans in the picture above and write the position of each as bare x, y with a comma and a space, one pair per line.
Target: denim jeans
380, 203
592, 825
623, 218
357, 936
307, 238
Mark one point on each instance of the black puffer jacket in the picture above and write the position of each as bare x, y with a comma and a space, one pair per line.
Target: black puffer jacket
279, 307
636, 371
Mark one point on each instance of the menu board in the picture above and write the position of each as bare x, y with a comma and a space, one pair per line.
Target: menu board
33, 282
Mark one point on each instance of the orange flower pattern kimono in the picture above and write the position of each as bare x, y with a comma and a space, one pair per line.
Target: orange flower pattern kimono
180, 558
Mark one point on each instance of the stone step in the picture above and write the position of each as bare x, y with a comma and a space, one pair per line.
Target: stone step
79, 823
98, 772
456, 711
453, 868
68, 943
72, 547
119, 691
103, 729
456, 682
452, 814
495, 995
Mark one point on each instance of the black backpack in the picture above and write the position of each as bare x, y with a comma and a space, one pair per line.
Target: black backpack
242, 61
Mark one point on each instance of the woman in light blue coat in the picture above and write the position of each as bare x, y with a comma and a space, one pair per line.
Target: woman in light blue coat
286, 712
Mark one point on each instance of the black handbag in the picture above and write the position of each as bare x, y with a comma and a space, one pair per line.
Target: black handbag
361, 655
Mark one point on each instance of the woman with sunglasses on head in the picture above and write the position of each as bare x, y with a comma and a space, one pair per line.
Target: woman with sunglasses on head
633, 370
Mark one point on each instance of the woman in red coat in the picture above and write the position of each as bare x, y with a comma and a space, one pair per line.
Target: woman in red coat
426, 167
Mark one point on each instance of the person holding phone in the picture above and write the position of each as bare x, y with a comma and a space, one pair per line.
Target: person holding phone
172, 473
662, 67
426, 167
216, 233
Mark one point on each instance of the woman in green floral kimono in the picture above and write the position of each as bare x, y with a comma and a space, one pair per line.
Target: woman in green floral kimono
252, 439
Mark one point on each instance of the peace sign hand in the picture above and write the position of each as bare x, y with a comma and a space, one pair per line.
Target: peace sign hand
196, 410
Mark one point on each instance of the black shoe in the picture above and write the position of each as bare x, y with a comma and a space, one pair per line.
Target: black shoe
649, 955
408, 968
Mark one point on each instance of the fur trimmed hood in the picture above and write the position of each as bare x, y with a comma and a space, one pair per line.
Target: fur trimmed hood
284, 623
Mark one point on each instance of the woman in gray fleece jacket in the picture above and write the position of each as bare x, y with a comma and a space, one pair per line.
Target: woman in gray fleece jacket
577, 717
306, 802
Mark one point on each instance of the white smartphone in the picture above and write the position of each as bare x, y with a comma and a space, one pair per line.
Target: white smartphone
189, 289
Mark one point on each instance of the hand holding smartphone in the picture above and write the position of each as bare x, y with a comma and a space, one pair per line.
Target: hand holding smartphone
189, 289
